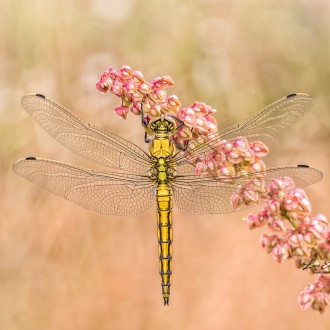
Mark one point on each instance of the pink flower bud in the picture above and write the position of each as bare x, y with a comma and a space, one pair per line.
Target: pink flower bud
103, 87
319, 228
273, 206
321, 219
280, 253
210, 110
188, 112
288, 183
212, 122
290, 203
130, 87
258, 166
250, 195
161, 94
220, 157
152, 112
309, 239
104, 83
236, 200
117, 88
256, 221
226, 169
146, 105
126, 99
162, 82
212, 128
305, 205
228, 146
113, 74
241, 143
276, 224
211, 165
259, 148
201, 125
249, 156
156, 110
138, 77
325, 246
305, 300
144, 88
185, 133
295, 240
199, 108
200, 121
190, 121
158, 95
268, 242
201, 168
136, 109
172, 104
121, 111
235, 156
319, 303
125, 73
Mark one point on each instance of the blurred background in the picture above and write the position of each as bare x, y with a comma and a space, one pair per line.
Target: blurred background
64, 267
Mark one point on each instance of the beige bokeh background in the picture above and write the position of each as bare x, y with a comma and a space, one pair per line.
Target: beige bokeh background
64, 267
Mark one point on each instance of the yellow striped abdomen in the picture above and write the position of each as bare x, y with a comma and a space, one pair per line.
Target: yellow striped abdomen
165, 237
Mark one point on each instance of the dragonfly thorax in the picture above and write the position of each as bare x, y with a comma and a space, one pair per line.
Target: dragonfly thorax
162, 171
161, 146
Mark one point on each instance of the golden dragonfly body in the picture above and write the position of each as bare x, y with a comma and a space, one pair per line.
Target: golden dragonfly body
162, 150
165, 172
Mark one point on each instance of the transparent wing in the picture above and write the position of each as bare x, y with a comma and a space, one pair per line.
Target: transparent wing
108, 193
272, 120
83, 139
195, 194
264, 126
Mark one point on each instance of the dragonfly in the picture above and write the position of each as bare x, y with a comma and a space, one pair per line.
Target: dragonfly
139, 179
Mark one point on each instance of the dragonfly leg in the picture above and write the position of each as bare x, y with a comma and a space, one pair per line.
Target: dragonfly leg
184, 148
181, 123
146, 139
145, 121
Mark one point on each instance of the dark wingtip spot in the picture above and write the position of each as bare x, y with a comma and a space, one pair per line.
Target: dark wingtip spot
30, 158
41, 96
303, 166
291, 95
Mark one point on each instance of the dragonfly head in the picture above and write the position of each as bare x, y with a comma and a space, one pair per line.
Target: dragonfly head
163, 126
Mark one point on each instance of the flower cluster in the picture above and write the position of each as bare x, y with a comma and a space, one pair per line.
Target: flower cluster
317, 295
297, 235
134, 90
226, 160
239, 158
229, 159
198, 121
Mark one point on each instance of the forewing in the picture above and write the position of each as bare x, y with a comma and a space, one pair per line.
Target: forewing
272, 120
104, 192
195, 194
83, 139
264, 126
